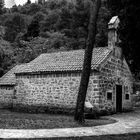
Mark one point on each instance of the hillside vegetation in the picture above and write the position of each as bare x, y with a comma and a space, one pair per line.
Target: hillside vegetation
29, 30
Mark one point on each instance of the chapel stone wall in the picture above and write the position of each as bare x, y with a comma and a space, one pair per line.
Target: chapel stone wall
6, 96
115, 72
54, 90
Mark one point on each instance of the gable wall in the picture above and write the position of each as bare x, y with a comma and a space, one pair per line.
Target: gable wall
54, 90
115, 72
6, 96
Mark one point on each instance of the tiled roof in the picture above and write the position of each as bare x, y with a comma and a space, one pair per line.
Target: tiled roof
9, 77
64, 61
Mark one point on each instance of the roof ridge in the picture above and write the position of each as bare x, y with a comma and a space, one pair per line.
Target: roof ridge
62, 52
69, 51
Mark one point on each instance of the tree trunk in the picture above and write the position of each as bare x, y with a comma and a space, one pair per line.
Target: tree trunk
94, 10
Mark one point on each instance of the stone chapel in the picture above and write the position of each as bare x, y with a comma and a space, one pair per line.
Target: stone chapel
51, 81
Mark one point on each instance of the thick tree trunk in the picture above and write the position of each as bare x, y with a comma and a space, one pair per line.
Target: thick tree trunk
94, 10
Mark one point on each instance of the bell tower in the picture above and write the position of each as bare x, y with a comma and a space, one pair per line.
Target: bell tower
113, 38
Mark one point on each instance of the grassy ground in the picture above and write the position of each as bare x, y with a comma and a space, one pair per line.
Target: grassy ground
15, 120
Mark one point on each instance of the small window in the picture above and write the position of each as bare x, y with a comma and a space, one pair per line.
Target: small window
127, 96
109, 95
14, 94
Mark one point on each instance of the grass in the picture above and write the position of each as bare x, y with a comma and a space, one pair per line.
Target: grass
15, 120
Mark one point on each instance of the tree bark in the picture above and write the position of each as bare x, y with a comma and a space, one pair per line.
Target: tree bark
94, 10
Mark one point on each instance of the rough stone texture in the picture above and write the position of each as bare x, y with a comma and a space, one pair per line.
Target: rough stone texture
136, 100
115, 72
54, 90
6, 96
60, 90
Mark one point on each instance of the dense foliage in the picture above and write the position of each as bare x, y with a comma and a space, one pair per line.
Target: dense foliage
34, 28
59, 25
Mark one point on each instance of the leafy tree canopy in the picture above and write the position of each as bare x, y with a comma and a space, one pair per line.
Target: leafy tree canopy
64, 24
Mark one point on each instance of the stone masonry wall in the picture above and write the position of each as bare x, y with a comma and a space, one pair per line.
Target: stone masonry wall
60, 90
6, 96
54, 90
115, 72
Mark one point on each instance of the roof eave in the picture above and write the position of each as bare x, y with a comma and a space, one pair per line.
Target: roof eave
7, 84
54, 72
